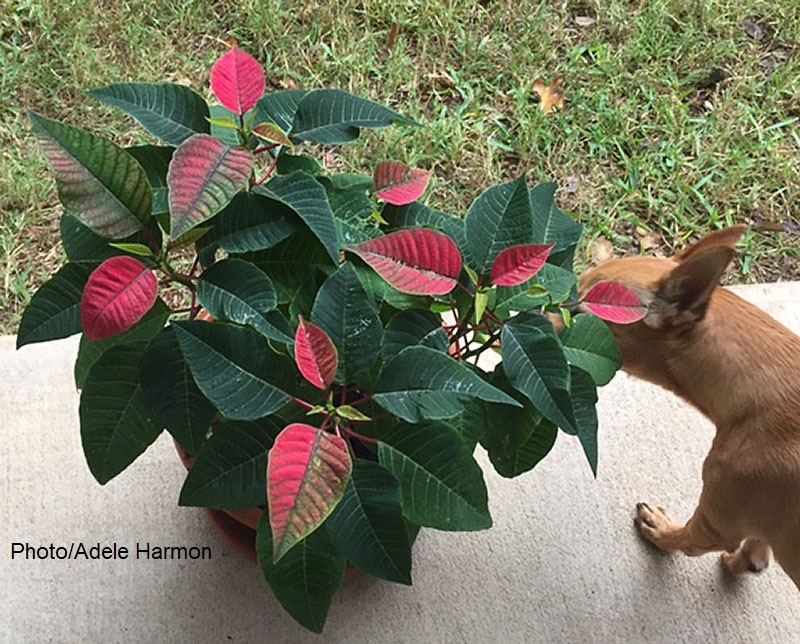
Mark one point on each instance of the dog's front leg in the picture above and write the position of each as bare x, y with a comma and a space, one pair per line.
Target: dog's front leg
695, 538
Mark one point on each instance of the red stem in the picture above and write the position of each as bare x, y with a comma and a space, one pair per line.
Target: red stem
302, 403
366, 439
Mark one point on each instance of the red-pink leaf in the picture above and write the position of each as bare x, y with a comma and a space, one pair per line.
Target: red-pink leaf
315, 354
398, 184
516, 265
417, 261
307, 473
237, 80
116, 296
203, 176
613, 302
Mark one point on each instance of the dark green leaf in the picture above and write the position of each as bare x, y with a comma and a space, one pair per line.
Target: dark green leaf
231, 469
116, 423
332, 116
417, 215
170, 112
83, 245
240, 292
590, 345
170, 391
306, 196
90, 351
551, 225
500, 218
525, 457
292, 262
306, 578
279, 108
420, 382
352, 213
441, 484
234, 368
344, 311
534, 362
412, 327
558, 282
584, 398
155, 162
367, 526
55, 309
288, 163
251, 222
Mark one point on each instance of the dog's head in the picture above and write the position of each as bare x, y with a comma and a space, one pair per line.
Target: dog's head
677, 292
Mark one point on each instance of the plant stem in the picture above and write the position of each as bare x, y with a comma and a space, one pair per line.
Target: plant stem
302, 403
360, 437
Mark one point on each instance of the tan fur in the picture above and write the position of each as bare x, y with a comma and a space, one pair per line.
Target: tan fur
740, 368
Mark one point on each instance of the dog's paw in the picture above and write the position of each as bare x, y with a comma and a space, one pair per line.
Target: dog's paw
654, 524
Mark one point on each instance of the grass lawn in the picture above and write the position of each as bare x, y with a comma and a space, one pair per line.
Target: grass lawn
680, 115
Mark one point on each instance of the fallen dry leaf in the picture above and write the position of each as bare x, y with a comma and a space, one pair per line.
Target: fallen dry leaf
572, 182
753, 29
551, 95
584, 21
647, 240
601, 250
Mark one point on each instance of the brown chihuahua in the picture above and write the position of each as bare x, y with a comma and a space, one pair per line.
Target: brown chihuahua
742, 370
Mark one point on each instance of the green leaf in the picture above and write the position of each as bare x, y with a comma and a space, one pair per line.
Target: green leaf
231, 467
351, 413
551, 225
140, 250
116, 423
584, 399
590, 345
343, 310
307, 197
90, 351
155, 163
170, 391
229, 136
279, 107
558, 282
251, 222
500, 218
417, 215
525, 457
170, 112
352, 213
55, 309
292, 263
288, 163
82, 245
234, 368
238, 291
441, 485
332, 116
99, 183
412, 327
367, 526
305, 580
420, 382
516, 438
535, 364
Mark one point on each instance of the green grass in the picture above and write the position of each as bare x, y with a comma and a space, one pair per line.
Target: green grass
656, 144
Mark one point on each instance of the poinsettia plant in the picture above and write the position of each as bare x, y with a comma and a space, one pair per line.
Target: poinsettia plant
327, 347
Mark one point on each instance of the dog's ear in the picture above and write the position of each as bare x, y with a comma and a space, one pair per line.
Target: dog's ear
682, 296
727, 238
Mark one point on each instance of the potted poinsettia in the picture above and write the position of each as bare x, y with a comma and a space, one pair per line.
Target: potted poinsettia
325, 347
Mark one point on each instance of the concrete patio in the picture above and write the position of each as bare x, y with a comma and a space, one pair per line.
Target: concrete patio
562, 564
